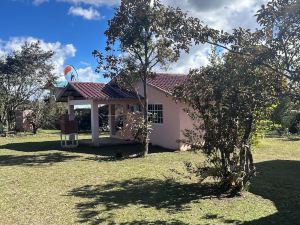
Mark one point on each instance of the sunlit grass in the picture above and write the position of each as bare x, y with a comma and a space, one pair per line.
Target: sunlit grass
41, 184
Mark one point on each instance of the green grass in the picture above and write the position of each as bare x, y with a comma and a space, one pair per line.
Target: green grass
42, 184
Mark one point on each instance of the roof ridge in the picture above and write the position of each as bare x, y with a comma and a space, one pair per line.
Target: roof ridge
172, 74
85, 82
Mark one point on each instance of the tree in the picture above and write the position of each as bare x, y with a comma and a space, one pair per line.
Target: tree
45, 114
269, 56
280, 24
277, 35
226, 100
142, 35
23, 75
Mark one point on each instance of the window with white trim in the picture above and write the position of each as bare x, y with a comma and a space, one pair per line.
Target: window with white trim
155, 112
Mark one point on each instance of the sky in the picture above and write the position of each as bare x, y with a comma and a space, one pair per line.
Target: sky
74, 28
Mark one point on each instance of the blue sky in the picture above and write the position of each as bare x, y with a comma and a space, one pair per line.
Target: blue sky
51, 22
74, 28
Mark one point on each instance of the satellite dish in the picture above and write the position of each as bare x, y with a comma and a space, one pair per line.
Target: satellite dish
70, 73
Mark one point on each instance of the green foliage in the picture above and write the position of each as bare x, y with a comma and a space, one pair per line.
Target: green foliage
45, 114
282, 109
23, 75
226, 100
138, 128
230, 100
274, 46
280, 24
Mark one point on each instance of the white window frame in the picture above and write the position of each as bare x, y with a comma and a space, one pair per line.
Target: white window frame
156, 113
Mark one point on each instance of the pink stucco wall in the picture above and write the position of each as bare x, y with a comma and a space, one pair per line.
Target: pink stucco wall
175, 120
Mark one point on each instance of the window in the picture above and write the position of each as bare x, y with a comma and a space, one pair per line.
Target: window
135, 108
155, 113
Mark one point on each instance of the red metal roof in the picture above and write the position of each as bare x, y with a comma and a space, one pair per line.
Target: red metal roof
90, 90
101, 91
167, 82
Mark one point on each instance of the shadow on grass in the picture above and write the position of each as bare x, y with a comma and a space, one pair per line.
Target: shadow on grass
34, 160
291, 139
104, 151
161, 222
279, 181
148, 193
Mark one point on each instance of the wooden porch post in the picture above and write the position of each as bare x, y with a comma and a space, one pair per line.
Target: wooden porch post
95, 123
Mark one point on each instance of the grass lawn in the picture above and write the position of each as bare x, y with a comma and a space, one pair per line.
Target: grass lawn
42, 184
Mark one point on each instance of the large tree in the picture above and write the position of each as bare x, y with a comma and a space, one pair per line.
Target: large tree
142, 35
226, 100
23, 75
229, 98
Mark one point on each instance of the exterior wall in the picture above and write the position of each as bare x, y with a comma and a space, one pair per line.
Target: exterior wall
175, 120
185, 123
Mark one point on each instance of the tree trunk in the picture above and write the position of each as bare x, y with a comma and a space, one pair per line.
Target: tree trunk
246, 157
146, 140
8, 121
34, 128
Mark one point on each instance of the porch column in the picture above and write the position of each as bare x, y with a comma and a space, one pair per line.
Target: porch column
71, 113
71, 110
95, 123
112, 119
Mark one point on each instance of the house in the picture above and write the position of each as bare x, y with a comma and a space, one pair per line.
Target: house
168, 124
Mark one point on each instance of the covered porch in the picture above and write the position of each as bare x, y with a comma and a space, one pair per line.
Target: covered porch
94, 95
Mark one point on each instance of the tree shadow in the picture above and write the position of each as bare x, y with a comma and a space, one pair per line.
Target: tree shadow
279, 181
34, 160
103, 151
219, 218
156, 222
292, 139
148, 193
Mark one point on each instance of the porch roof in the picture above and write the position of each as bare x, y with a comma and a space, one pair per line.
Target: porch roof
94, 91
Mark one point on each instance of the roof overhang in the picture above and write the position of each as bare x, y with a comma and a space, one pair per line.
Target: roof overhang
103, 93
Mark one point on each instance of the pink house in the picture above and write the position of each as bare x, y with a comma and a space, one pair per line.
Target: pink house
167, 126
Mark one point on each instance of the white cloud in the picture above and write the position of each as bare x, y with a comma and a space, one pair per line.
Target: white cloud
39, 2
219, 14
87, 74
198, 56
96, 3
84, 63
88, 14
62, 52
